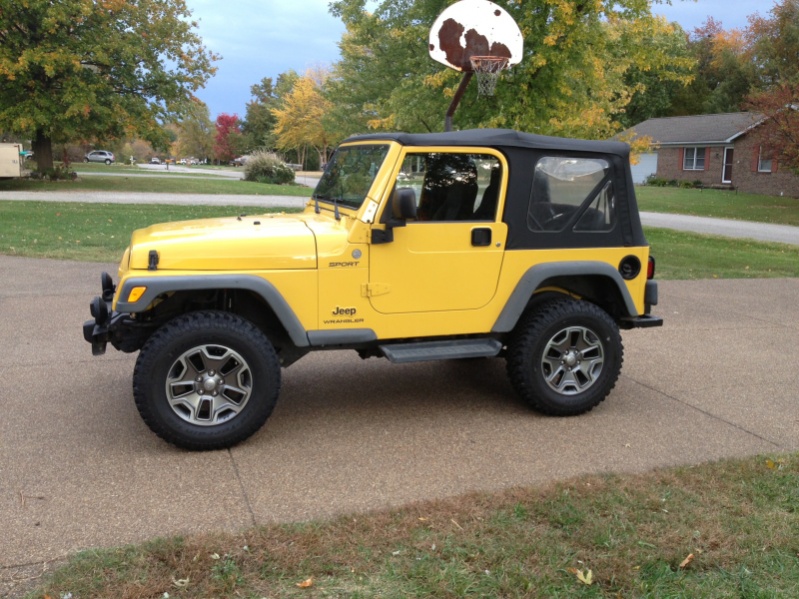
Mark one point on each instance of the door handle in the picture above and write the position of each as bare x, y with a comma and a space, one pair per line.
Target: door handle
481, 236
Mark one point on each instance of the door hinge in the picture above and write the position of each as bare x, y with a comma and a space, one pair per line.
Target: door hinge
373, 289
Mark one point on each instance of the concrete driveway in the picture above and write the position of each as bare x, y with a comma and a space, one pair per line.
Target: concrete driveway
79, 469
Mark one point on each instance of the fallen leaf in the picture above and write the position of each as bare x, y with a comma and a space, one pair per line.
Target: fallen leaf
684, 563
586, 577
305, 584
180, 582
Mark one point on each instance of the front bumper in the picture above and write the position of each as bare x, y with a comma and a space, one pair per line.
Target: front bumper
107, 326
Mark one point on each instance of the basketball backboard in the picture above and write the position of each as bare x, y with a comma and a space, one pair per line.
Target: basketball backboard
474, 28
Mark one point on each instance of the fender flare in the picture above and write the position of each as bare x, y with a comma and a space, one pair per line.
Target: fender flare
536, 275
165, 284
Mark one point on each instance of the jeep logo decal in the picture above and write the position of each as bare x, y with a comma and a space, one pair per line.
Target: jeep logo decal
344, 311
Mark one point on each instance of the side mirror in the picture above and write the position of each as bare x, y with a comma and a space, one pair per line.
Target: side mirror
403, 204
401, 208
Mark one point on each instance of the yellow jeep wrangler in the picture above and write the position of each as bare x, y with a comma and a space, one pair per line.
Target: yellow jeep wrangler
470, 244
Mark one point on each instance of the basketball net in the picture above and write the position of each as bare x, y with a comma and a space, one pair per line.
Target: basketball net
487, 69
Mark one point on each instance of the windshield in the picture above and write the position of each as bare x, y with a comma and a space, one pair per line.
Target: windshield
350, 174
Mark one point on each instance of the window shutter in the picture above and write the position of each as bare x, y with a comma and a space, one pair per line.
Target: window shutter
774, 162
707, 159
681, 158
755, 158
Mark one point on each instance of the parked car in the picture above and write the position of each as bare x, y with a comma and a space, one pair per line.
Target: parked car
99, 156
155, 160
501, 244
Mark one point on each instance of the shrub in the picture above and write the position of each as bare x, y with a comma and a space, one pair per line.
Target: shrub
655, 181
59, 173
267, 167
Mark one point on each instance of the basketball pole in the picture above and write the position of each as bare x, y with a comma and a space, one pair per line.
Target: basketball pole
453, 106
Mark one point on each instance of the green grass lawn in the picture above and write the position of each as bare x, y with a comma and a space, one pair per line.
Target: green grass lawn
727, 529
91, 232
719, 204
133, 181
100, 232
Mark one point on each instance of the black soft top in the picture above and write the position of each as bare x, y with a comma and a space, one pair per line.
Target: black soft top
498, 138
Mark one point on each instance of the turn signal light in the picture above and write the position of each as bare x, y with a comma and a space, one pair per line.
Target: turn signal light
136, 293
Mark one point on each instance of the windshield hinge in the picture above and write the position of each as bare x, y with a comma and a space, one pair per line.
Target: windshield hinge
373, 289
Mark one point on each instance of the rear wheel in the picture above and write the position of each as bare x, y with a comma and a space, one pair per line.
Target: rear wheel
565, 357
206, 380
108, 161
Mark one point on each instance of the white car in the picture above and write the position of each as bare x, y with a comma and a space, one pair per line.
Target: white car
99, 156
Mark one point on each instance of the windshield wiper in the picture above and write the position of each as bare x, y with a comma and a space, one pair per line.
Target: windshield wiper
326, 198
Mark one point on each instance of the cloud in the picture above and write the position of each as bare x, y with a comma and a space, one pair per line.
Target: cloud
258, 39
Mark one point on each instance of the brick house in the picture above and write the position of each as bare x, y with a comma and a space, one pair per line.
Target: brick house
720, 150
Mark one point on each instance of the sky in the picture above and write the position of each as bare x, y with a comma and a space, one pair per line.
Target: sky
263, 38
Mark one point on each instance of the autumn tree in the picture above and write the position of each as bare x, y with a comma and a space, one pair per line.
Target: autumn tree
573, 78
227, 139
259, 121
723, 73
774, 43
97, 69
196, 132
300, 123
779, 130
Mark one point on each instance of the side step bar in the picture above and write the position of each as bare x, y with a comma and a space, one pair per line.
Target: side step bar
441, 350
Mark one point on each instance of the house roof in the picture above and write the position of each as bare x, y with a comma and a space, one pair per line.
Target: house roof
699, 129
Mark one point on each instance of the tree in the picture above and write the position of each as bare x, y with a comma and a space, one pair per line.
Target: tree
196, 132
571, 81
723, 74
300, 123
774, 43
227, 140
97, 69
779, 131
259, 122
774, 50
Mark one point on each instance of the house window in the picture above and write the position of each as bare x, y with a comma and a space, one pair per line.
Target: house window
763, 163
693, 159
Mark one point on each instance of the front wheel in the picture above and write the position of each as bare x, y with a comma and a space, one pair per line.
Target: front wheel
206, 380
565, 357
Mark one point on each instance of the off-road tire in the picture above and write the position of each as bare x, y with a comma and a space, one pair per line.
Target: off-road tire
565, 357
184, 351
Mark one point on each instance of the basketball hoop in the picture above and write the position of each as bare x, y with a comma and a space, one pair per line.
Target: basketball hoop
487, 69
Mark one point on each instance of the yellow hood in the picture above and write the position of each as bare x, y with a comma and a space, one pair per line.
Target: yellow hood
263, 242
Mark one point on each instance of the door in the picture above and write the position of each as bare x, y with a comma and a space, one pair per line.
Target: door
450, 257
726, 176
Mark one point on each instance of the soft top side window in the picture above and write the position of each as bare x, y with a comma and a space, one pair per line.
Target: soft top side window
571, 192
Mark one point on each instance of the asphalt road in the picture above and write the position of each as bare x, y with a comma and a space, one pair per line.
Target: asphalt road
79, 469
